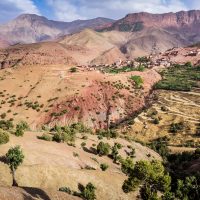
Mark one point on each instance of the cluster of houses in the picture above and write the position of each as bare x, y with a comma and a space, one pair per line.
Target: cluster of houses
149, 62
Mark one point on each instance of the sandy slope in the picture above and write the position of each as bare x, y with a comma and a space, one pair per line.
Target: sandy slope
52, 165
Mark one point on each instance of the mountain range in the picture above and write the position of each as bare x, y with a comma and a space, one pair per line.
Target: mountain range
30, 28
96, 41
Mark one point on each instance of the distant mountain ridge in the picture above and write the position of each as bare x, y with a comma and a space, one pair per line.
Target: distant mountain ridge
138, 34
139, 21
30, 28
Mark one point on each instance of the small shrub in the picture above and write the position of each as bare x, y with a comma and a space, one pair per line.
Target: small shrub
65, 189
85, 137
83, 144
75, 154
156, 121
4, 137
164, 108
58, 137
22, 125
45, 137
103, 149
19, 132
94, 159
73, 69
6, 124
175, 127
104, 167
100, 137
3, 115
88, 192
115, 154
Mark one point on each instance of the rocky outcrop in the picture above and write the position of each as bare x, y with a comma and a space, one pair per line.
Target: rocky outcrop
138, 21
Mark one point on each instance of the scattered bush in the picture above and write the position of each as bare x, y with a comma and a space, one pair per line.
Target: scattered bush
176, 127
156, 121
58, 137
3, 115
75, 154
45, 137
109, 134
6, 124
4, 137
104, 167
65, 189
83, 144
19, 132
22, 125
103, 149
114, 153
73, 69
88, 192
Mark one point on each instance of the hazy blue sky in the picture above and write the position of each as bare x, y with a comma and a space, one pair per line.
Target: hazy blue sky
68, 10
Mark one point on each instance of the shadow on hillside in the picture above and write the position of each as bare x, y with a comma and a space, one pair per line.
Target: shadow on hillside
3, 159
36, 193
90, 150
27, 197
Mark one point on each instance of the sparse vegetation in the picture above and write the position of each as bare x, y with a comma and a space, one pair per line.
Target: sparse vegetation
108, 134
86, 192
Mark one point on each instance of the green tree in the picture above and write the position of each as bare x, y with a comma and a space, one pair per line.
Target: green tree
14, 157
188, 189
150, 176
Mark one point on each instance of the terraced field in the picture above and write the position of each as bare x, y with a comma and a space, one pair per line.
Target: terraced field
171, 107
175, 113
